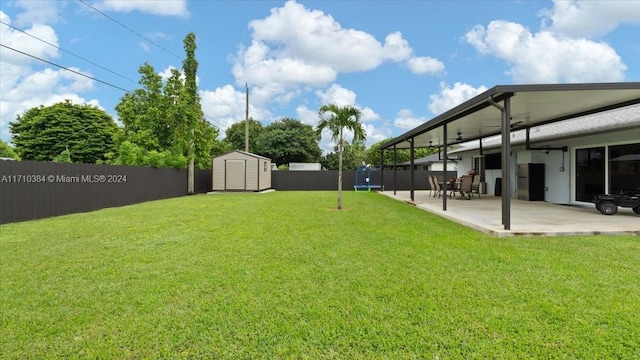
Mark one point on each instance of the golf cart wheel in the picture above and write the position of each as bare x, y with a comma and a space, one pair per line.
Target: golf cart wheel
608, 207
637, 209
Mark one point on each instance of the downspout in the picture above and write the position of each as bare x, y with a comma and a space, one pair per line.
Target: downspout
506, 154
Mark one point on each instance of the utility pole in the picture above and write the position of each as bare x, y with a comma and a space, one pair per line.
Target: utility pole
246, 119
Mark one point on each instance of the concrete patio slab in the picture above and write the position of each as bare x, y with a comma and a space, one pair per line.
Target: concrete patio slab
528, 218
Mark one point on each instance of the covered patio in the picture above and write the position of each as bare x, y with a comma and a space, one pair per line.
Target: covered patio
529, 218
500, 111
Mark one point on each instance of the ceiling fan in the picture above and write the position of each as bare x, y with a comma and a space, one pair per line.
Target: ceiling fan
514, 125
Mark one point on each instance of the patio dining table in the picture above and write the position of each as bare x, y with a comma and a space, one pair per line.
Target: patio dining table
453, 187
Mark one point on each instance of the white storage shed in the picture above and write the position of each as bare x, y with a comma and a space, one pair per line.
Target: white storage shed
241, 171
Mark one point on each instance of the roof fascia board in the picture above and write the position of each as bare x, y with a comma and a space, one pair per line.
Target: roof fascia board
479, 101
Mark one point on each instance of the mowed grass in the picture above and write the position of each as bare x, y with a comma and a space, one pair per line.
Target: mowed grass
285, 275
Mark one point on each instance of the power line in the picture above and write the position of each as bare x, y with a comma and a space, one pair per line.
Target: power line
262, 87
128, 28
65, 68
68, 52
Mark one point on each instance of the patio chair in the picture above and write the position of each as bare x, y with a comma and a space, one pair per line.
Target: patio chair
436, 184
465, 186
475, 185
432, 186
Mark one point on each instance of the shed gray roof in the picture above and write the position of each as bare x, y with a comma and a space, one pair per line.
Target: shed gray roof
607, 121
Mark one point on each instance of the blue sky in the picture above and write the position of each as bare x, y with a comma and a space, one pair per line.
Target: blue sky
400, 62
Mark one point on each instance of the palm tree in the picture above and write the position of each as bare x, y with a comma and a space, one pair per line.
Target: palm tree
339, 119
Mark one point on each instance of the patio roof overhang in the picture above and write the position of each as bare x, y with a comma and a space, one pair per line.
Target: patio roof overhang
530, 105
505, 108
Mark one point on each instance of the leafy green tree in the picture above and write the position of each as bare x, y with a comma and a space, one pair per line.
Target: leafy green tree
63, 157
289, 140
142, 113
193, 110
352, 157
372, 155
165, 121
235, 135
7, 151
336, 119
132, 154
44, 132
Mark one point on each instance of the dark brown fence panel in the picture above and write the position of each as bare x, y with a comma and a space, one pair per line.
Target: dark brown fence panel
420, 182
328, 180
311, 180
33, 190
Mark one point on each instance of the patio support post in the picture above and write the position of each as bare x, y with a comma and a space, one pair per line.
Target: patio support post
444, 164
412, 170
506, 164
395, 170
382, 169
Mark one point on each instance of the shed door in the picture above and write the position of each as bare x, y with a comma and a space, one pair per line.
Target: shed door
235, 171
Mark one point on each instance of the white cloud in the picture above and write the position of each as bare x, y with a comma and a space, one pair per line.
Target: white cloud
306, 115
22, 87
450, 97
376, 134
225, 106
369, 115
37, 12
396, 48
297, 46
163, 8
338, 95
27, 44
425, 65
547, 57
580, 18
405, 119
144, 46
39, 86
317, 38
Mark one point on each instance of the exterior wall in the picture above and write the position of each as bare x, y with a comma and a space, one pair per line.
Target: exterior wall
218, 171
264, 174
559, 165
438, 166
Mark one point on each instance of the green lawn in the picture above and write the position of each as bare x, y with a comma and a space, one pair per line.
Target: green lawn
285, 275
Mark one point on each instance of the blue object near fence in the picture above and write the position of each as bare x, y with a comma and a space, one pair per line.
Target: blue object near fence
363, 179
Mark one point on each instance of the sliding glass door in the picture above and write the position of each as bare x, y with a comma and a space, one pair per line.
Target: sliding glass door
590, 173
624, 167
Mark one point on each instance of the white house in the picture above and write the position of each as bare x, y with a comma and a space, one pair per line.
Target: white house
584, 156
433, 162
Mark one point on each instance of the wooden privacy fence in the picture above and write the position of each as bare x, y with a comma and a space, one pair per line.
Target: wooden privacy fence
33, 189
